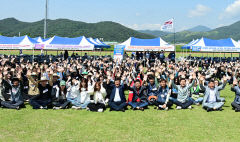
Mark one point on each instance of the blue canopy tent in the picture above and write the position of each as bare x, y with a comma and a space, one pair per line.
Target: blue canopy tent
157, 44
40, 39
188, 46
23, 42
222, 45
96, 45
101, 43
64, 43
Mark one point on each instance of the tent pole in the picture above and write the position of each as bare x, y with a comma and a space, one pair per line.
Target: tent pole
33, 56
187, 53
220, 56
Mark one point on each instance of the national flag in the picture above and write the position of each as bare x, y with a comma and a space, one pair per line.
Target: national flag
168, 25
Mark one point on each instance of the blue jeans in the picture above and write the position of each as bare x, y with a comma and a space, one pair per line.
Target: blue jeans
215, 105
74, 101
199, 100
11, 104
184, 105
161, 101
138, 104
117, 105
37, 103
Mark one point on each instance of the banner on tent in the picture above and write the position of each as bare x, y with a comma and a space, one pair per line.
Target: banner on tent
39, 46
118, 52
15, 46
196, 48
150, 48
68, 47
217, 49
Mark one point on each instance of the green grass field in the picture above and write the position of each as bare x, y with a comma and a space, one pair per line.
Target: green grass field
151, 125
180, 53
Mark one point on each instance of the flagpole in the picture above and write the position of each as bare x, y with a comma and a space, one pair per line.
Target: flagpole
174, 39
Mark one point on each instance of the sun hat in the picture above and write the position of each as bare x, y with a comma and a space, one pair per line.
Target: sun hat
43, 78
34, 74
55, 74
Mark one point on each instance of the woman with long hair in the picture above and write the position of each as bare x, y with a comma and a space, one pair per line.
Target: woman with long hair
85, 90
61, 101
99, 93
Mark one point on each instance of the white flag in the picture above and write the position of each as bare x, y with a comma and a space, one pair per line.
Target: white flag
168, 25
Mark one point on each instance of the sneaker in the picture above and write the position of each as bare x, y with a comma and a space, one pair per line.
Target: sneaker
41, 107
209, 109
160, 106
100, 110
190, 107
79, 108
17, 108
197, 104
166, 108
179, 107
45, 107
74, 107
56, 108
88, 109
237, 110
142, 109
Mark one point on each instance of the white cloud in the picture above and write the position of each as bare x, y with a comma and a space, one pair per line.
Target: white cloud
231, 11
200, 10
145, 26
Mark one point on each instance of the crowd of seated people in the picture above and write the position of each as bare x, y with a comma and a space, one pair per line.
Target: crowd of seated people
96, 84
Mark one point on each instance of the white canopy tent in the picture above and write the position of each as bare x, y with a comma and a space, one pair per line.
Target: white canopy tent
157, 44
64, 43
23, 42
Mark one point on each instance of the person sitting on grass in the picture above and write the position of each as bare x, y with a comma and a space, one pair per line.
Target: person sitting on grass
73, 92
216, 82
164, 93
42, 100
84, 93
138, 98
211, 100
117, 99
152, 89
195, 94
33, 89
60, 101
236, 88
16, 99
183, 100
99, 94
56, 85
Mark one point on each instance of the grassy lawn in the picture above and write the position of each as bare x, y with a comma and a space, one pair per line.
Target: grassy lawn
151, 125
179, 53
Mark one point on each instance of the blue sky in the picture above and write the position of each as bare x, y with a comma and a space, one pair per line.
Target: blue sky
136, 14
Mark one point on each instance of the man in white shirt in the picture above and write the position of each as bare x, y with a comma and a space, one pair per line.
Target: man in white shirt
212, 101
117, 99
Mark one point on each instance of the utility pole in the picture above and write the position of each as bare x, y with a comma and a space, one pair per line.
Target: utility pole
45, 24
45, 20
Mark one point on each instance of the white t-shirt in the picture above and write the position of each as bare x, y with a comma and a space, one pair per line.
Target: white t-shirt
117, 96
212, 96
